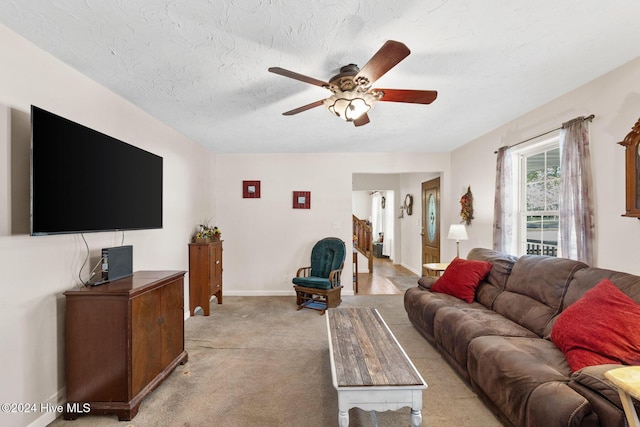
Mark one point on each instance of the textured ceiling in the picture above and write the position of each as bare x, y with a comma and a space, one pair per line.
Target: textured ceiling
201, 65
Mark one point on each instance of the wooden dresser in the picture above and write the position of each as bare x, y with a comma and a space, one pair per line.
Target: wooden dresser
205, 275
123, 339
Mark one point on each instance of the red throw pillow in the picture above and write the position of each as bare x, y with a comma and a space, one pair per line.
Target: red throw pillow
461, 278
600, 328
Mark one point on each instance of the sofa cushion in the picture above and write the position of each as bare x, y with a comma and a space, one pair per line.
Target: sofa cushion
496, 280
588, 278
421, 307
526, 378
461, 278
599, 328
535, 290
455, 327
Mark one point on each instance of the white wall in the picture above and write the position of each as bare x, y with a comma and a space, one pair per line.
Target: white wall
361, 204
35, 271
265, 240
615, 100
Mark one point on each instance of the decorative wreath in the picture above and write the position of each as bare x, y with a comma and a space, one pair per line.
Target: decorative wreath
466, 204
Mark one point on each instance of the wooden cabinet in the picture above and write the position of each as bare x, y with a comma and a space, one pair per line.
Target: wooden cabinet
123, 339
205, 275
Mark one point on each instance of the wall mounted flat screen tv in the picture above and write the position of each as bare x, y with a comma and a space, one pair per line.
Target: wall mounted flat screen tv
85, 181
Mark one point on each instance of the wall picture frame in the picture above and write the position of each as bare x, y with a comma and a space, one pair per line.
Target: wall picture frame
250, 189
301, 200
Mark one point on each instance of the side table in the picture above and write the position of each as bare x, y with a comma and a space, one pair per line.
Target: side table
627, 380
436, 268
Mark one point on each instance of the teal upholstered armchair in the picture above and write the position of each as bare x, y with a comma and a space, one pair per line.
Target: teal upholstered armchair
318, 286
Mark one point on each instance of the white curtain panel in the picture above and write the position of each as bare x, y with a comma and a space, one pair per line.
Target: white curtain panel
503, 204
577, 224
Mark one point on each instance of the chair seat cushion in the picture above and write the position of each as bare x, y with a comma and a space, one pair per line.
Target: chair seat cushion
312, 282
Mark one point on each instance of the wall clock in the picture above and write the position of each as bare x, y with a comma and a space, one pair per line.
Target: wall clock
408, 202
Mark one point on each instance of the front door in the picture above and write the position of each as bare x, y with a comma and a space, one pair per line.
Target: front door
430, 222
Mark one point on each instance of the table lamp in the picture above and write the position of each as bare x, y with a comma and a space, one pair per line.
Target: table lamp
457, 232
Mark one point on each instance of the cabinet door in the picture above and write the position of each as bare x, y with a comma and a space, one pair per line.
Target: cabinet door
199, 277
96, 349
146, 339
173, 321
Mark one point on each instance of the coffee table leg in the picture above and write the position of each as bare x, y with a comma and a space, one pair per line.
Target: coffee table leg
416, 417
343, 418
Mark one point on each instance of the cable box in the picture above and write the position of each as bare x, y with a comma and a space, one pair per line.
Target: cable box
117, 262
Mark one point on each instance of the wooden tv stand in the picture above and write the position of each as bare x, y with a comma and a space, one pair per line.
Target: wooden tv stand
123, 339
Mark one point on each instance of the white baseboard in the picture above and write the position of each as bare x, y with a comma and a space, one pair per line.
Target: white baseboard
264, 293
417, 273
260, 293
273, 293
48, 409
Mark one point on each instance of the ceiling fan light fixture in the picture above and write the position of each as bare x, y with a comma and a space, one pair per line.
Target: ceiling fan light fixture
350, 105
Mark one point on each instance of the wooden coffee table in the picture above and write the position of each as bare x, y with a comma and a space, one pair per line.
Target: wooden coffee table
369, 368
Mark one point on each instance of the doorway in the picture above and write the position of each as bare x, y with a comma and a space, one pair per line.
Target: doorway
430, 222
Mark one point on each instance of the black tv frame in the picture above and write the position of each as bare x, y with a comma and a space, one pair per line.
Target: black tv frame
86, 181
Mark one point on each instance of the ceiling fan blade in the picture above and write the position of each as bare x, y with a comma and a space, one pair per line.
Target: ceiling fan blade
389, 55
411, 96
298, 76
303, 108
362, 120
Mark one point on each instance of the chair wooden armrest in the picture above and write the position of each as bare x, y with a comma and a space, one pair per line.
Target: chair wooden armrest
303, 272
334, 278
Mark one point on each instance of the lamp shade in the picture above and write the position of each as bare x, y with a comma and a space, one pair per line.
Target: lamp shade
350, 105
457, 232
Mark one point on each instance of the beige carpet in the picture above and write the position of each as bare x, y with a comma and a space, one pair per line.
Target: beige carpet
256, 361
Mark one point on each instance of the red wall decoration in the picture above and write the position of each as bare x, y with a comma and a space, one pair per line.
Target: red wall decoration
302, 200
250, 189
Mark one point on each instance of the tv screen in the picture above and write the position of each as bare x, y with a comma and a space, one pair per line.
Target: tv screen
85, 181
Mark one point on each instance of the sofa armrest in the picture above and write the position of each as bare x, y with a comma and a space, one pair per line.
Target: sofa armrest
425, 282
592, 377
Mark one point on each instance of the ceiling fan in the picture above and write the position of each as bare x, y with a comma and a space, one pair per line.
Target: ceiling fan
353, 96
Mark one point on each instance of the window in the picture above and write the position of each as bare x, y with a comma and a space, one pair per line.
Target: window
539, 193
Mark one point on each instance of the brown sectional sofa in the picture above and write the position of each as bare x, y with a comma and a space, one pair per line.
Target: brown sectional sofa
500, 342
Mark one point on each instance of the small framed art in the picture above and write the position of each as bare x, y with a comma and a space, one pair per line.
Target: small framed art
250, 189
302, 200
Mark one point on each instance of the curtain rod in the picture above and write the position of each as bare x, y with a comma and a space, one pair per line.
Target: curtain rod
589, 118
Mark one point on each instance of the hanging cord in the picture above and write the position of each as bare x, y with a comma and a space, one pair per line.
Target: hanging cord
564, 125
86, 259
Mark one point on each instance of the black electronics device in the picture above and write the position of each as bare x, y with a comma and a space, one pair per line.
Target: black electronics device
117, 263
85, 181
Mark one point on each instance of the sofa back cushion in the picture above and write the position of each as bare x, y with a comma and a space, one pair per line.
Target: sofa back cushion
495, 282
589, 277
535, 290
